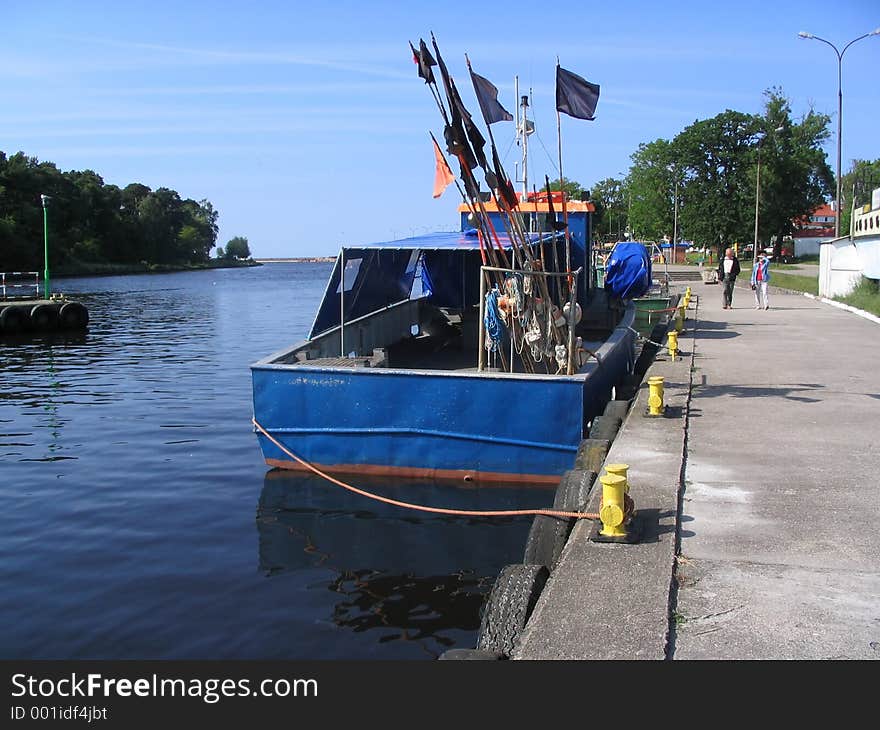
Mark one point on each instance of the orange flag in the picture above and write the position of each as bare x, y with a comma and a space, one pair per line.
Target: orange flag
442, 175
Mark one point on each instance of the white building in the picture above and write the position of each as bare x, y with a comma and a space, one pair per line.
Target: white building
843, 261
814, 230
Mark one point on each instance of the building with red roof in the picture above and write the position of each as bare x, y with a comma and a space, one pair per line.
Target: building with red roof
809, 232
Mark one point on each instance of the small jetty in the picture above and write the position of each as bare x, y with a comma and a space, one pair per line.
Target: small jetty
23, 310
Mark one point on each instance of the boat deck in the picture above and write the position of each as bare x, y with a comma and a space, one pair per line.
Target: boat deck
426, 353
337, 362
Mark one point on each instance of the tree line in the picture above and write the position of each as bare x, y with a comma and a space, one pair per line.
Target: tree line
89, 222
705, 180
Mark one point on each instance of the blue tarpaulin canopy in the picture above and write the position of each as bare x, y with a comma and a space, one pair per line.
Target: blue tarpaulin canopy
444, 267
447, 240
628, 271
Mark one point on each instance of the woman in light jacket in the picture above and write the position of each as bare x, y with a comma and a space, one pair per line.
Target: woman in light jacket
760, 279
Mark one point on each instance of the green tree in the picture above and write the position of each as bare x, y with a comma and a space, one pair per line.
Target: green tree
651, 190
237, 248
610, 198
714, 156
198, 234
22, 180
715, 163
160, 217
90, 221
795, 177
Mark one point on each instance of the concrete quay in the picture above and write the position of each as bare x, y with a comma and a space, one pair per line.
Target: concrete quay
757, 493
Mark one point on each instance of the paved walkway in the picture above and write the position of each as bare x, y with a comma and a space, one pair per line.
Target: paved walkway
780, 508
761, 488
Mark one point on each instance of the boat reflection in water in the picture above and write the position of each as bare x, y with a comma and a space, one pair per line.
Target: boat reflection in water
397, 575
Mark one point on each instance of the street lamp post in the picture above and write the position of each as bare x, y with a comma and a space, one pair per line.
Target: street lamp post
803, 34
45, 199
758, 192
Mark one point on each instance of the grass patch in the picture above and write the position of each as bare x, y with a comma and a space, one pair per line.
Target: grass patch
696, 258
795, 282
866, 296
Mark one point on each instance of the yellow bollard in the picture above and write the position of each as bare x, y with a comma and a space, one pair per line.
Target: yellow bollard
612, 510
619, 470
672, 343
655, 396
679, 320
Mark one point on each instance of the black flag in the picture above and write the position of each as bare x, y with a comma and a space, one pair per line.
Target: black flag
575, 96
505, 187
456, 137
487, 96
423, 58
474, 135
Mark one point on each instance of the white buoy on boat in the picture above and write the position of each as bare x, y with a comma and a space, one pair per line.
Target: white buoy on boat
577, 312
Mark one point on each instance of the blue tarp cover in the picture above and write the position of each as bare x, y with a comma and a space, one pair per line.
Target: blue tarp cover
448, 240
380, 274
628, 271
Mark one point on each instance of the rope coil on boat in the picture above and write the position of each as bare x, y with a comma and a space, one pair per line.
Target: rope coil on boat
424, 508
494, 326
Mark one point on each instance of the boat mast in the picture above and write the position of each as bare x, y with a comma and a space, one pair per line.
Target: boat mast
562, 188
524, 102
342, 303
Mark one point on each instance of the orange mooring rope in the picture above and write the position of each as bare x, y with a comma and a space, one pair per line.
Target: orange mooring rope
422, 508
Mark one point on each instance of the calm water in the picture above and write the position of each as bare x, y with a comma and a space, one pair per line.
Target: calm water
141, 522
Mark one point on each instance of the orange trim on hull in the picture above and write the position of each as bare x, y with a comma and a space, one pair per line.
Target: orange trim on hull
405, 472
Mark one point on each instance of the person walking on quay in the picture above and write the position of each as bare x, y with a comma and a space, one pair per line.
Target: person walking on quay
760, 279
728, 270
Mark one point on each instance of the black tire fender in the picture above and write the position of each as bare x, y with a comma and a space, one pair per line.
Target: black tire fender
509, 605
44, 317
605, 427
546, 540
74, 315
617, 408
574, 490
591, 454
12, 320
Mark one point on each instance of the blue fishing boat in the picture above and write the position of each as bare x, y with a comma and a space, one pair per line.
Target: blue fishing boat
479, 355
400, 374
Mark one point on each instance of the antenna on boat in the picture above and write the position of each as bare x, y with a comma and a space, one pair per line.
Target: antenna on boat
524, 127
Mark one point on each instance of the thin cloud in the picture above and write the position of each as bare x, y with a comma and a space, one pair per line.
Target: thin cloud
162, 55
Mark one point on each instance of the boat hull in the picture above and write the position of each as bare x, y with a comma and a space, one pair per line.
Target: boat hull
486, 427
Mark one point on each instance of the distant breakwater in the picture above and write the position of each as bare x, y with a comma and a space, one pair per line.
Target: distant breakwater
306, 260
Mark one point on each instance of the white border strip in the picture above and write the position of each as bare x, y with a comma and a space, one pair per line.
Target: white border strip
840, 305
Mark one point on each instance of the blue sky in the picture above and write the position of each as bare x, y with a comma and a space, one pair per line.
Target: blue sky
306, 125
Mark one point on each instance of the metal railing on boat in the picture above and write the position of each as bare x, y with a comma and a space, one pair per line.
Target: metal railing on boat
572, 298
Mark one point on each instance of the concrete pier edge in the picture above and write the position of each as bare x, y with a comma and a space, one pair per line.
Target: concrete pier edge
758, 493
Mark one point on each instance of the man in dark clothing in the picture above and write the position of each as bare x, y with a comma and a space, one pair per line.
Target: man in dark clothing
728, 270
